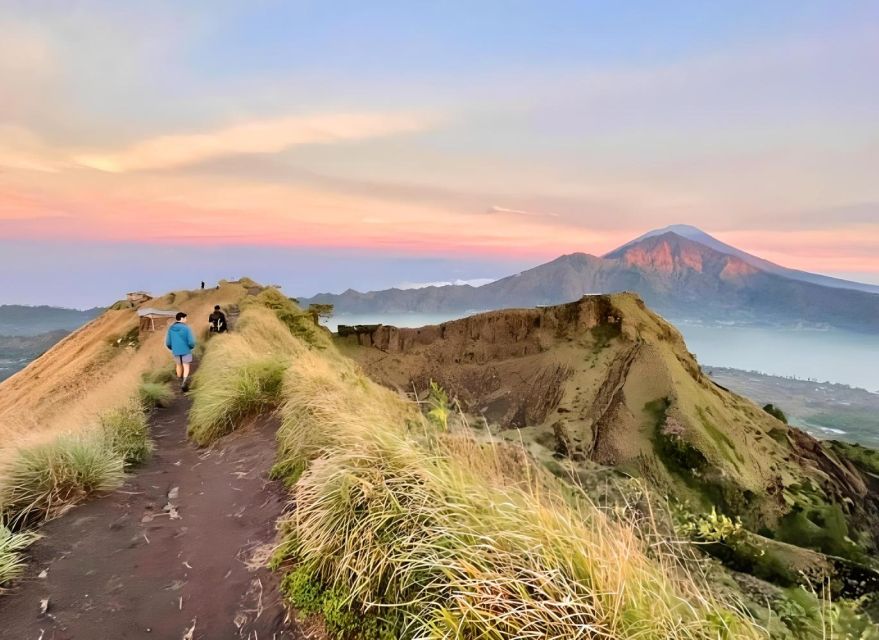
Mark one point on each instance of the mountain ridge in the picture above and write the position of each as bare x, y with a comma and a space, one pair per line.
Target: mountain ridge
677, 276
32, 320
694, 233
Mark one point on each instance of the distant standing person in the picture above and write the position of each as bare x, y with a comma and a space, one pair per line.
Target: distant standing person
202, 284
217, 321
181, 342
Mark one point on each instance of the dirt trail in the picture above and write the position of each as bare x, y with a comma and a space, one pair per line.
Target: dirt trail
165, 557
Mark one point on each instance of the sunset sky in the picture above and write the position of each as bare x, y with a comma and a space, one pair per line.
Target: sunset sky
322, 145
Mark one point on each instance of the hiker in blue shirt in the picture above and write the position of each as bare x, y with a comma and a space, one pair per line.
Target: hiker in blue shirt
181, 342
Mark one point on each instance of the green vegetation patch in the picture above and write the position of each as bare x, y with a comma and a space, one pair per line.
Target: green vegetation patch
706, 484
12, 547
161, 375
603, 334
726, 446
775, 411
864, 458
126, 433
819, 526
228, 396
46, 479
810, 614
155, 394
300, 323
304, 591
677, 454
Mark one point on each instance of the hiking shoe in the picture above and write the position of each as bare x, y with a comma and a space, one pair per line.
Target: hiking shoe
185, 386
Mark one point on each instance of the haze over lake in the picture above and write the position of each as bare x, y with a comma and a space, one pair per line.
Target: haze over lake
832, 355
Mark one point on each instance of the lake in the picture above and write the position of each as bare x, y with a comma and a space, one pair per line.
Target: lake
833, 355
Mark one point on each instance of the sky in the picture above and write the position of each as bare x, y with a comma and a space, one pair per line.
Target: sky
327, 145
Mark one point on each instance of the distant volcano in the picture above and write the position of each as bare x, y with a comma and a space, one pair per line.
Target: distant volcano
680, 271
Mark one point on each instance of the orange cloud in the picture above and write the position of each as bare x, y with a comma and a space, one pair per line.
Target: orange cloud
22, 149
260, 136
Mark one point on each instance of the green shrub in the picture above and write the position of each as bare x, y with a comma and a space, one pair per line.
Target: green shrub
776, 412
12, 545
308, 596
303, 591
126, 433
711, 527
300, 323
155, 394
44, 480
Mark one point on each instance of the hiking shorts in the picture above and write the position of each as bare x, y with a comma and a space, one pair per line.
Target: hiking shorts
183, 359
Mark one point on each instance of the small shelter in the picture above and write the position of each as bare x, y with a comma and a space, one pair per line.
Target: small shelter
151, 319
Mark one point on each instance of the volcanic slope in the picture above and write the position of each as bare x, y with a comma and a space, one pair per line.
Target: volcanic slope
605, 380
676, 275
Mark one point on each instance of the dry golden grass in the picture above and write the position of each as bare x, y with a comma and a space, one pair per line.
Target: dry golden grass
386, 510
241, 374
83, 375
432, 526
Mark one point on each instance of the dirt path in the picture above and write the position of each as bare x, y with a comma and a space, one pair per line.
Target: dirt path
165, 557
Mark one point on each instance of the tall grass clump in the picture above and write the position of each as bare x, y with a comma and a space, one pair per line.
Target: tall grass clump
388, 515
44, 480
41, 481
126, 433
309, 424
160, 375
155, 394
12, 547
241, 374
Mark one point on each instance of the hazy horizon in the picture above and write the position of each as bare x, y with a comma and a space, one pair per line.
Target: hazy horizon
156, 270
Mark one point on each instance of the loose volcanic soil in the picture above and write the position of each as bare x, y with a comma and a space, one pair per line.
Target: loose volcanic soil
178, 553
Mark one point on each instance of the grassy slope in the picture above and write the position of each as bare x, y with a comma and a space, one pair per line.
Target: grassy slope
462, 539
73, 420
629, 395
86, 373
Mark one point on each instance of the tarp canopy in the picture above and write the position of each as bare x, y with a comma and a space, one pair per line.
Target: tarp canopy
155, 313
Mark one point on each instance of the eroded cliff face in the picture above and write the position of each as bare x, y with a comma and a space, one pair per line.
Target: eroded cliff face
495, 334
607, 381
494, 363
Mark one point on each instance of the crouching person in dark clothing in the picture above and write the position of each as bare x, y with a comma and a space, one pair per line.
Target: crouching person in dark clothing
217, 321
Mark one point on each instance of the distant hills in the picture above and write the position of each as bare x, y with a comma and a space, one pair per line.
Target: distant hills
17, 351
22, 320
680, 271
